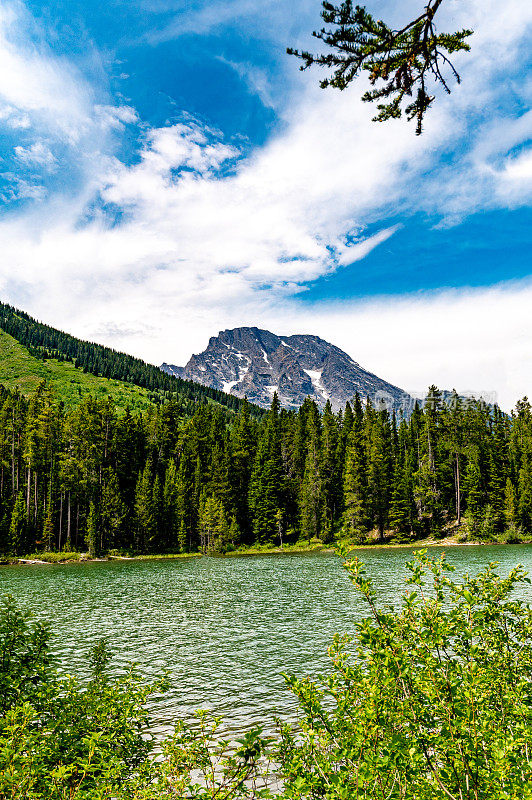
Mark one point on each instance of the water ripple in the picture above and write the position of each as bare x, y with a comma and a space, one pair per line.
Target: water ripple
225, 628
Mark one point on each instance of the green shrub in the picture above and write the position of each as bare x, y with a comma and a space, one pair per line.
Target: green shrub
429, 701
434, 701
59, 739
54, 558
513, 535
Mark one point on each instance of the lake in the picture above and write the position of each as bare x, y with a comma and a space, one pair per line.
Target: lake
225, 627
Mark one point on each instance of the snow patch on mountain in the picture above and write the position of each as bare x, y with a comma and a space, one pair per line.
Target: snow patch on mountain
315, 377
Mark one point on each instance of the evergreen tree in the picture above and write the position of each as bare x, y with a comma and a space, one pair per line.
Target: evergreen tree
112, 515
310, 498
157, 517
267, 480
185, 500
171, 508
93, 532
474, 493
379, 470
144, 509
427, 490
401, 61
524, 508
18, 526
510, 504
243, 444
355, 517
402, 501
454, 440
214, 529
234, 533
49, 522
497, 477
330, 479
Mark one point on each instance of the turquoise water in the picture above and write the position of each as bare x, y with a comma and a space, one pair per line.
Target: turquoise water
225, 628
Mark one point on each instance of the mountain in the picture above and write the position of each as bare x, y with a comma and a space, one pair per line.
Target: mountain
254, 363
31, 352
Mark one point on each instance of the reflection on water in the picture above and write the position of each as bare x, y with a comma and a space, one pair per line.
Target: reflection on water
225, 628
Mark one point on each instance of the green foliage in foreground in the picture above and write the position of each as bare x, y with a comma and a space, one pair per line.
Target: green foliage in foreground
431, 700
59, 739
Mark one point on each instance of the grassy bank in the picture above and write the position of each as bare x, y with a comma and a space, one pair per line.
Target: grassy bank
298, 547
314, 546
156, 556
45, 558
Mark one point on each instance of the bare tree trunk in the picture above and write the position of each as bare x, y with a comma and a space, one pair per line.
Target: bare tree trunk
458, 498
28, 491
60, 522
68, 540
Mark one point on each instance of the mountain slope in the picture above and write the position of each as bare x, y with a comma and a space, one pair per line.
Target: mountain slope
19, 369
70, 363
257, 363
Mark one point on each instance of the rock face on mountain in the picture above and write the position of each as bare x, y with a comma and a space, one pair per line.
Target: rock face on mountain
256, 363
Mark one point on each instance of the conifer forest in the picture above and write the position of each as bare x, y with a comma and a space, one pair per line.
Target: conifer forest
179, 479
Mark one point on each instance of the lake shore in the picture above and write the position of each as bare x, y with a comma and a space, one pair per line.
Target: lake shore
50, 559
84, 558
373, 546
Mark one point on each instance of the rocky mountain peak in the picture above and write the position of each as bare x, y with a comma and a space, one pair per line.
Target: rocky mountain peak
257, 363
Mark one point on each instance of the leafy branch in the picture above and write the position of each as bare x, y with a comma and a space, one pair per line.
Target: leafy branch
401, 63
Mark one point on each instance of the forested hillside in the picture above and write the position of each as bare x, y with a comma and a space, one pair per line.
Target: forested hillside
45, 343
164, 481
21, 370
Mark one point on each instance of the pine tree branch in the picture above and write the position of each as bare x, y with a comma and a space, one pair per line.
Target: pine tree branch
398, 61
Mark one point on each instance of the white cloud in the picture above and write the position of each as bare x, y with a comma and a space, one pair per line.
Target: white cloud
17, 188
214, 15
514, 183
471, 340
519, 168
349, 253
13, 118
56, 118
36, 84
38, 154
257, 80
209, 238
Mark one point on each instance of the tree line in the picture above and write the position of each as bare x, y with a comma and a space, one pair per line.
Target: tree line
89, 477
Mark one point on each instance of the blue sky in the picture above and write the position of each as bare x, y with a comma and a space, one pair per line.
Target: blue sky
166, 171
